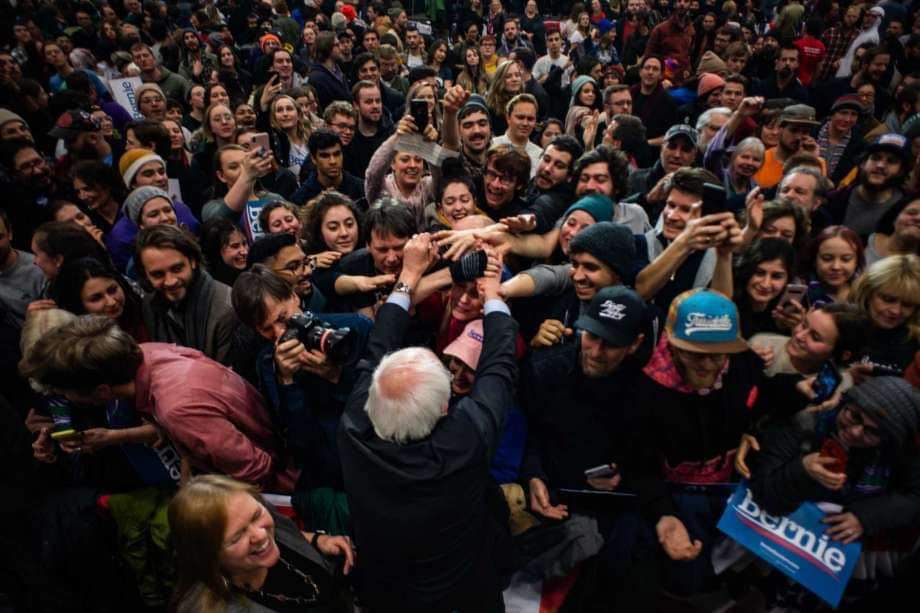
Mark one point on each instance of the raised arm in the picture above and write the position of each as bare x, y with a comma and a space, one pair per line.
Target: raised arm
378, 167
454, 98
493, 391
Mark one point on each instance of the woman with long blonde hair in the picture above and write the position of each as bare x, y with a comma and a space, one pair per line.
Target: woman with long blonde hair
889, 293
289, 132
507, 83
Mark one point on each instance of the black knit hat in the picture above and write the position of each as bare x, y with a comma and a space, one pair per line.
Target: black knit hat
611, 243
893, 403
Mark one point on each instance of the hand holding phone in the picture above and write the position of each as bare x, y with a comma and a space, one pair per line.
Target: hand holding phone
826, 382
794, 291
419, 111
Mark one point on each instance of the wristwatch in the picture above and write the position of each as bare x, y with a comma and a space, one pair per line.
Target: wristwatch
316, 535
402, 288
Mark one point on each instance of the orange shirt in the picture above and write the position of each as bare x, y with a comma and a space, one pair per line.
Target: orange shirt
771, 172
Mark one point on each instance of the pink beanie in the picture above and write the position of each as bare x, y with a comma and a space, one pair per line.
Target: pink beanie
709, 82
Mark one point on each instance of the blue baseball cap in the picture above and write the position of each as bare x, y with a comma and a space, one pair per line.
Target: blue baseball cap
704, 321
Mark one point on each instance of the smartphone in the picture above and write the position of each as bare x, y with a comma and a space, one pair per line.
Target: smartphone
419, 110
794, 291
260, 139
826, 381
714, 199
833, 449
604, 471
65, 435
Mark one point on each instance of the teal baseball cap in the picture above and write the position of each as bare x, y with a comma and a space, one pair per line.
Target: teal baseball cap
704, 321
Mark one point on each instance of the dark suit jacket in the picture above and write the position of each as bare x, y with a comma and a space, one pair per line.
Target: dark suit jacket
430, 522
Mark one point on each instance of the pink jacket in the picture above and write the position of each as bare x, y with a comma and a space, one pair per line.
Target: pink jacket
214, 417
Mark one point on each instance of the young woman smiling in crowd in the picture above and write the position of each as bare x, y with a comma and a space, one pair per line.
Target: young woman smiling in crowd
836, 257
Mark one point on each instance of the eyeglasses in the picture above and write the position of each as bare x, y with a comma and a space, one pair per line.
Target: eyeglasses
296, 266
344, 127
505, 180
855, 415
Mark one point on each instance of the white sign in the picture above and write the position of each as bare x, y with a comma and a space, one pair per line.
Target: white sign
123, 92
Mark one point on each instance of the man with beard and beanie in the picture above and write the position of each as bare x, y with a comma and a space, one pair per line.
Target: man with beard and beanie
878, 187
673, 39
602, 255
695, 400
185, 305
878, 483
467, 129
796, 123
83, 140
573, 426
32, 190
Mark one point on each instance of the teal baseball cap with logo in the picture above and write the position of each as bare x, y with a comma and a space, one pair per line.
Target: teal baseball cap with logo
704, 321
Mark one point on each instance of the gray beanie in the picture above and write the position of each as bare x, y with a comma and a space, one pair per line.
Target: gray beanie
893, 403
136, 200
611, 243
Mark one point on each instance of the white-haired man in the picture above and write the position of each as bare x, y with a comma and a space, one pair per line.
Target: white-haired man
431, 523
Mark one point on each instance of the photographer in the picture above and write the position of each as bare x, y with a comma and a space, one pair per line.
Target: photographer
307, 385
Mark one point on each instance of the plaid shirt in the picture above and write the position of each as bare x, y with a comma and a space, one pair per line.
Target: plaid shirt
837, 40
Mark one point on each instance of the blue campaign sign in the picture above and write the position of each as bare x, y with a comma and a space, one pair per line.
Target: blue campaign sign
795, 544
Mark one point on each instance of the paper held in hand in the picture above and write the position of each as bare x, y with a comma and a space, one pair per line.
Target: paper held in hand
432, 153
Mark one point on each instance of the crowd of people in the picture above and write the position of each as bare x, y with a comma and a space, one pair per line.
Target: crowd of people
502, 292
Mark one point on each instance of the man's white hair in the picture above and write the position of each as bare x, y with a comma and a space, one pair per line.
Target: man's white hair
409, 393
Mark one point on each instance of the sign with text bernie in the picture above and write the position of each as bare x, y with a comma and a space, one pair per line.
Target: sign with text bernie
795, 544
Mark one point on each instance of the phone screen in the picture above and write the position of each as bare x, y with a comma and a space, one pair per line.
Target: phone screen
419, 110
826, 381
260, 140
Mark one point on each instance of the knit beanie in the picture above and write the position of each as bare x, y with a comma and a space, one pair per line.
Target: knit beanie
268, 37
145, 87
598, 206
132, 161
577, 84
893, 403
611, 243
7, 116
709, 82
136, 200
710, 62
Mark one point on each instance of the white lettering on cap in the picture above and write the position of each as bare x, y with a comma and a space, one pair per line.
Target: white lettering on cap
612, 310
701, 322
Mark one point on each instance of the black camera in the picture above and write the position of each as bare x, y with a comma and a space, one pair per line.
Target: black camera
337, 344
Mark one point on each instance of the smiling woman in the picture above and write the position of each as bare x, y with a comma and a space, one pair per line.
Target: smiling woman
888, 292
233, 549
